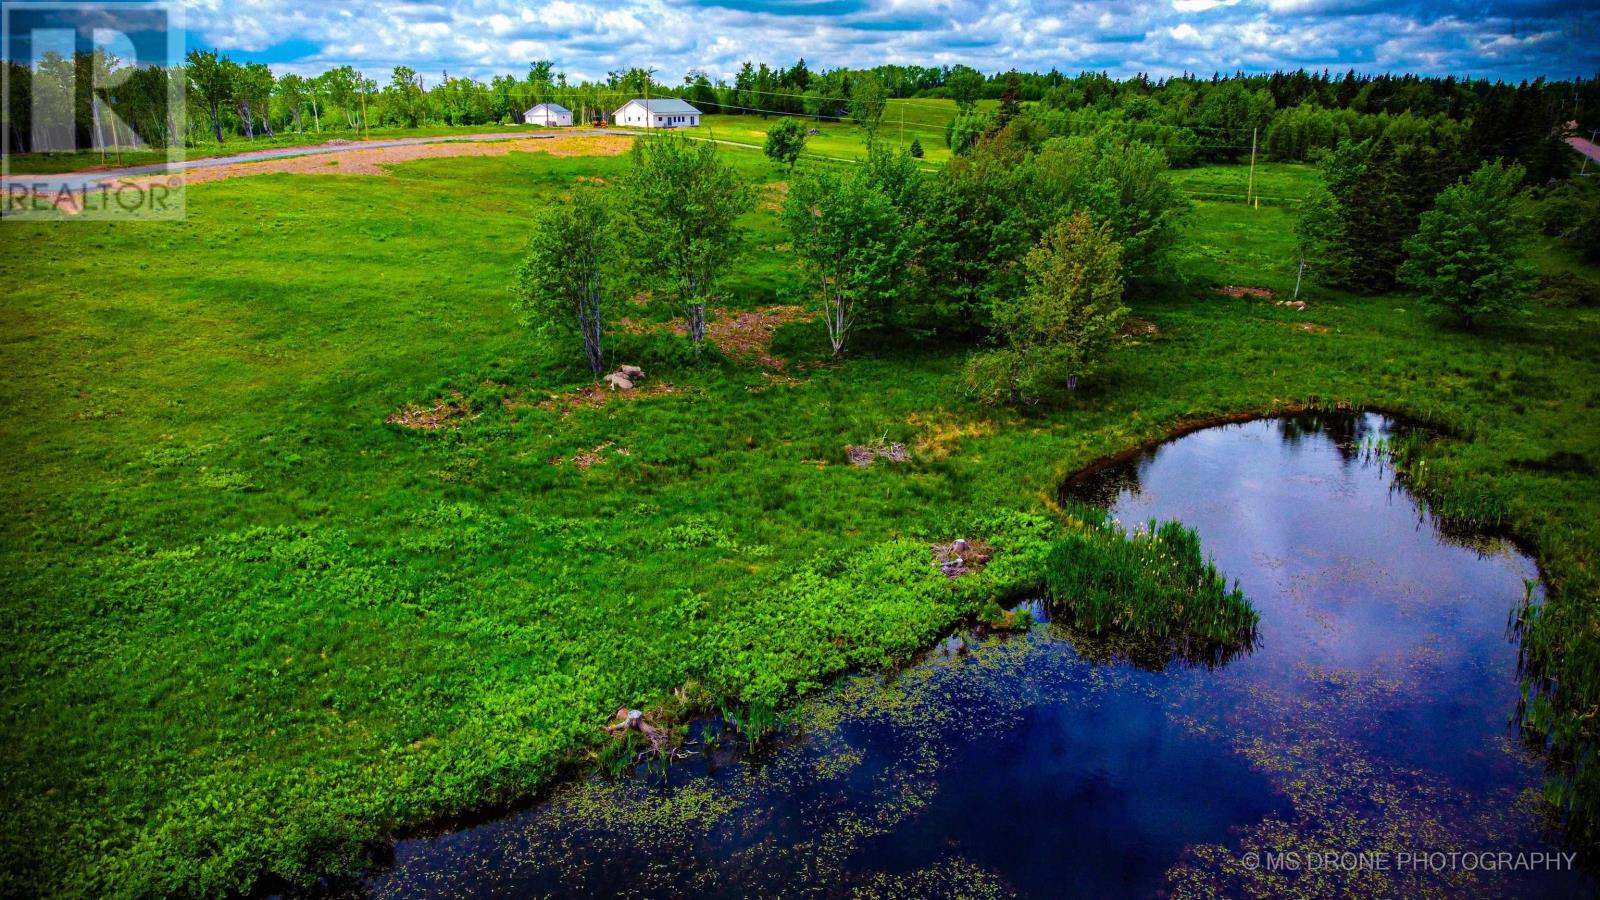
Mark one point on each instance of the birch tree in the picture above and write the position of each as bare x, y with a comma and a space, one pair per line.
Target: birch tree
847, 236
683, 203
566, 275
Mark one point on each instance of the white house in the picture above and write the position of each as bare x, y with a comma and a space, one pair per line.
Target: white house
667, 113
552, 114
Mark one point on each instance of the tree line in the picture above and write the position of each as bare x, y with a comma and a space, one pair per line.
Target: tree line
1295, 115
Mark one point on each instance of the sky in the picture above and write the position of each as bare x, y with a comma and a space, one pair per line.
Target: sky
1506, 39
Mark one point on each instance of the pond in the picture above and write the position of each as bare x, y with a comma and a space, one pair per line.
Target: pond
1374, 715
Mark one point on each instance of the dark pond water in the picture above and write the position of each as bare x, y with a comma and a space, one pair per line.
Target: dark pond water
1373, 715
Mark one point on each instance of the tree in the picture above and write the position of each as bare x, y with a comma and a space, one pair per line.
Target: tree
846, 234
684, 202
1063, 322
785, 141
565, 276
258, 86
1010, 100
211, 80
916, 149
965, 85
1465, 257
293, 90
241, 95
1122, 184
868, 99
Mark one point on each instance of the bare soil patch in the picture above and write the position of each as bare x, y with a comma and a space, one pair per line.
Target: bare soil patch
372, 161
585, 459
864, 455
1234, 290
442, 414
596, 395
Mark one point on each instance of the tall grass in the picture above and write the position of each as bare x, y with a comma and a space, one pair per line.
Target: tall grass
1152, 582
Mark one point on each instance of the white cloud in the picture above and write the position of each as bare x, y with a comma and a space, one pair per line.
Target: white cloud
588, 37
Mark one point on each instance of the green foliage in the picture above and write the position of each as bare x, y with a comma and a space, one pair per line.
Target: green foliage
1465, 259
785, 141
1153, 583
570, 264
847, 235
1376, 193
1571, 211
683, 205
915, 149
868, 98
964, 131
1121, 184
1065, 321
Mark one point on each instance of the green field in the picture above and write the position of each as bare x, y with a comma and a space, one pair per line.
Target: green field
904, 121
253, 626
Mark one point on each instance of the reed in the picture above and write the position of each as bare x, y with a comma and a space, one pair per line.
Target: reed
1152, 582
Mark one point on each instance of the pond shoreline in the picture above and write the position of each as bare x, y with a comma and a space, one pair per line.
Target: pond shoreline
578, 768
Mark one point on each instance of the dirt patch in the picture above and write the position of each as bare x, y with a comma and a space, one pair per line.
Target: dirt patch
595, 395
1234, 290
863, 455
962, 557
746, 335
1310, 327
1132, 327
442, 414
591, 179
585, 459
372, 161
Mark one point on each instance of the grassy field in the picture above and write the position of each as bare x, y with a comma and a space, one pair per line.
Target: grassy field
252, 625
904, 121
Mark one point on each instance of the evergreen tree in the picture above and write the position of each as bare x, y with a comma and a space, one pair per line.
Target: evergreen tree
1465, 257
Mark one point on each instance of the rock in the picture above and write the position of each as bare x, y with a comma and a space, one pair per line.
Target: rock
960, 546
633, 373
619, 382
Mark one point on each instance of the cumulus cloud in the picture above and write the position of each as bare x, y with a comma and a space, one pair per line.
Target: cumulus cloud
1510, 39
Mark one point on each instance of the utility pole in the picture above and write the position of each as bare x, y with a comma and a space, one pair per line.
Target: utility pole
1250, 186
1297, 276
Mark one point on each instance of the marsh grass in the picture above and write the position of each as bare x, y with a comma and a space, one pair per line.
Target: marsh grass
1152, 582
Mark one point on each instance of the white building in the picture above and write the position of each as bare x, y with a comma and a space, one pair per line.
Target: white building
667, 113
551, 114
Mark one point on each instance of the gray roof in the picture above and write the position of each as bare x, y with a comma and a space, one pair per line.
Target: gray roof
664, 106
552, 107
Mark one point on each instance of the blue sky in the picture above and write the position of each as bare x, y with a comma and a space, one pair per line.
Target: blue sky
1509, 39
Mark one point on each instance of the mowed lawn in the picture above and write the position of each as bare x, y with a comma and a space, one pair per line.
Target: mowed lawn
253, 626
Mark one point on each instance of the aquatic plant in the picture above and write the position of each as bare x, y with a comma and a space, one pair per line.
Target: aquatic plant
1151, 582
